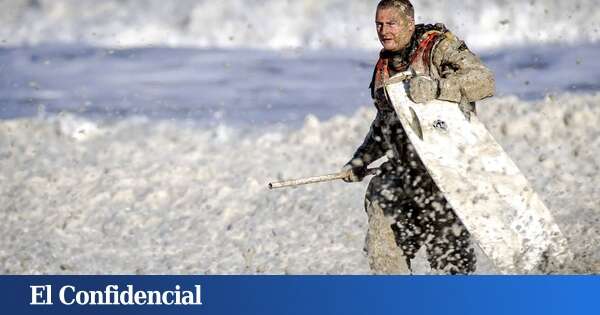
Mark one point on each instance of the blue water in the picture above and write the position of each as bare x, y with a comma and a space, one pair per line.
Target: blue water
244, 86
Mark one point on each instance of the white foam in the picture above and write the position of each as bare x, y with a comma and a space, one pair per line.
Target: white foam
76, 128
285, 24
158, 197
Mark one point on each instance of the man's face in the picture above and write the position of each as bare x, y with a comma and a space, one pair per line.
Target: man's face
394, 28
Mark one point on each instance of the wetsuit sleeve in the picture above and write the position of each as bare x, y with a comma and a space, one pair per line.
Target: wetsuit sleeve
373, 146
463, 77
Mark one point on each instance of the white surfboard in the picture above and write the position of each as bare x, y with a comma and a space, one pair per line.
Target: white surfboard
483, 185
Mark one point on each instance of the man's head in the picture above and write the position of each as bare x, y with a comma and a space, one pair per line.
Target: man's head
395, 21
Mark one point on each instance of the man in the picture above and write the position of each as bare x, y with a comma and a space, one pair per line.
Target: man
406, 209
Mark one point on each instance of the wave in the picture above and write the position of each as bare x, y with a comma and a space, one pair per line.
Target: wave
276, 24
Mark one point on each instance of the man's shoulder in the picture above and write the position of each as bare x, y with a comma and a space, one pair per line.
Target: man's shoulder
425, 29
441, 34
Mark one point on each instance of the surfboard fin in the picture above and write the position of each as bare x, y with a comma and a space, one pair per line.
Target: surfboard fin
415, 124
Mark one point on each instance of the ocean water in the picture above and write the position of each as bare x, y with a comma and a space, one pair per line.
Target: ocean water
139, 136
243, 86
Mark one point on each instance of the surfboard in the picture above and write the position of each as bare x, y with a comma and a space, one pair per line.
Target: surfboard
486, 189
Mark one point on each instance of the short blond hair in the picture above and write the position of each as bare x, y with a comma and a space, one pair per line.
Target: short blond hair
403, 5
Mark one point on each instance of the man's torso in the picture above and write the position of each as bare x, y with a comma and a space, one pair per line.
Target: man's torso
418, 58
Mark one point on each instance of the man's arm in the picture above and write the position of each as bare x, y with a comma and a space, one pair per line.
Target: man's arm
369, 151
463, 77
372, 147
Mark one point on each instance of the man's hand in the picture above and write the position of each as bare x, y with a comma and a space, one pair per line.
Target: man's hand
423, 89
356, 170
